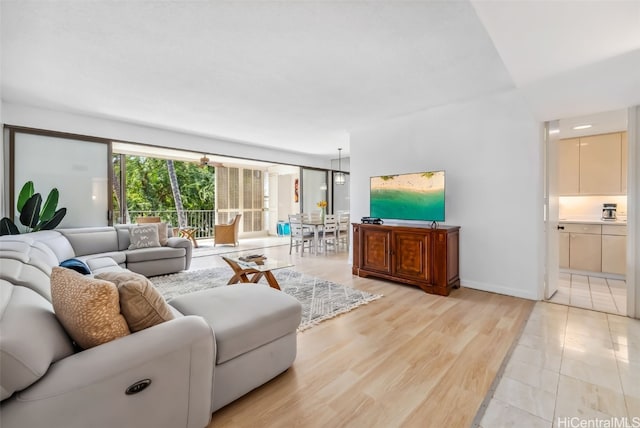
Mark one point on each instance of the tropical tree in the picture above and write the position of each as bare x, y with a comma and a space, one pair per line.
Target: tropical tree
149, 186
175, 189
118, 204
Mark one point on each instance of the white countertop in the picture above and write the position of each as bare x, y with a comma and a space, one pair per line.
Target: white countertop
616, 222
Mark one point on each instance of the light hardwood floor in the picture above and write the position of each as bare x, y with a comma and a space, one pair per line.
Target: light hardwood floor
409, 359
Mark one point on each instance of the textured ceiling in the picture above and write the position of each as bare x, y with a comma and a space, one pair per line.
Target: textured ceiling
298, 75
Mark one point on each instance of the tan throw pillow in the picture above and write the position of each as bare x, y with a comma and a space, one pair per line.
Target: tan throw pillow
140, 303
87, 308
144, 237
163, 233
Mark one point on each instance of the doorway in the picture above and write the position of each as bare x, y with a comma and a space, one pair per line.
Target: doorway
586, 211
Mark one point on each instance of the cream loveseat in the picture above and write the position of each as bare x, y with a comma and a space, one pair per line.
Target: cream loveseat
221, 344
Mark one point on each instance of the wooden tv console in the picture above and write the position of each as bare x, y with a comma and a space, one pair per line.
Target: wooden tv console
419, 256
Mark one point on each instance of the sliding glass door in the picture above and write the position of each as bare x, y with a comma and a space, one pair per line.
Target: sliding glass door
77, 167
314, 189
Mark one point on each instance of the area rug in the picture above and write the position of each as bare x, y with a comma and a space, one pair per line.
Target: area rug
320, 299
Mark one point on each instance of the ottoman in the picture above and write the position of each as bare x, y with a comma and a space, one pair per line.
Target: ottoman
255, 335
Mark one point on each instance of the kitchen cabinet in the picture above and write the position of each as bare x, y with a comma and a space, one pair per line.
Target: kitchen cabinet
420, 256
593, 247
593, 165
569, 166
614, 249
585, 252
600, 164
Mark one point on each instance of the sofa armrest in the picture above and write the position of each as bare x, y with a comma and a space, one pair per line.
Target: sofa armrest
177, 242
88, 388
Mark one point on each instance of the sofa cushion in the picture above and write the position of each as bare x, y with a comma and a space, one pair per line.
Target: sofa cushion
123, 235
140, 303
26, 261
91, 240
55, 241
88, 308
31, 338
118, 257
156, 253
103, 264
243, 316
144, 237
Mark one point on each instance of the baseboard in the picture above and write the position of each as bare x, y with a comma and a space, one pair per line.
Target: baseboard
493, 288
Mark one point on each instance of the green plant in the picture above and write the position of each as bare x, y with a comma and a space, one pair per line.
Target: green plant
33, 214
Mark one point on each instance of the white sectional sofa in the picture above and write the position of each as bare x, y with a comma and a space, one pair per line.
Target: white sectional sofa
222, 343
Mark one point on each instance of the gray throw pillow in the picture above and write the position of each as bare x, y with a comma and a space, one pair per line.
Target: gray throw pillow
144, 237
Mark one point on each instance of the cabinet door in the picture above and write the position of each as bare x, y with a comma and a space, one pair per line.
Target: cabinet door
564, 250
585, 252
600, 164
614, 254
411, 252
623, 176
376, 250
569, 166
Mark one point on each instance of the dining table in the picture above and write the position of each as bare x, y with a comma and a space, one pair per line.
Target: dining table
316, 226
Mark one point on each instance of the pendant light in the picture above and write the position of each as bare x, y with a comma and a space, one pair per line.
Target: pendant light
339, 177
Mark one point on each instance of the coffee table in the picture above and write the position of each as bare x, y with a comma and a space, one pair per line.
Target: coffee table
252, 271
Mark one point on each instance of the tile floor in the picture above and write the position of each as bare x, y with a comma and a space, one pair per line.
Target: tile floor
569, 363
590, 292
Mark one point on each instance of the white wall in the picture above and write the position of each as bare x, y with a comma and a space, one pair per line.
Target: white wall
286, 204
491, 151
19, 115
343, 164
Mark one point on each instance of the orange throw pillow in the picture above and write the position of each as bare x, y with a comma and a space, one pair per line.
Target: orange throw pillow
87, 308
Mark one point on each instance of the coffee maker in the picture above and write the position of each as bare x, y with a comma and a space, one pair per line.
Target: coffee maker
609, 212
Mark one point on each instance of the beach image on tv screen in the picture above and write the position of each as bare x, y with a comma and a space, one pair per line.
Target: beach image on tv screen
418, 196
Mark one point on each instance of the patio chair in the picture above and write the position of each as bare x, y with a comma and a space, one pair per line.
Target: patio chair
227, 233
148, 219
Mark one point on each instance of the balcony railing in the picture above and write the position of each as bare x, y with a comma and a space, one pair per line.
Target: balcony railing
202, 220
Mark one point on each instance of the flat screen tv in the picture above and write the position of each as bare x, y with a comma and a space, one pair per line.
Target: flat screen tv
415, 196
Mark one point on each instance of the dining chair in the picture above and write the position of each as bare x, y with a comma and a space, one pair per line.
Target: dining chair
329, 233
315, 215
299, 236
343, 229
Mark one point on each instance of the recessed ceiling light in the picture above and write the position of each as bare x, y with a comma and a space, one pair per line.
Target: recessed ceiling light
582, 127
554, 131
